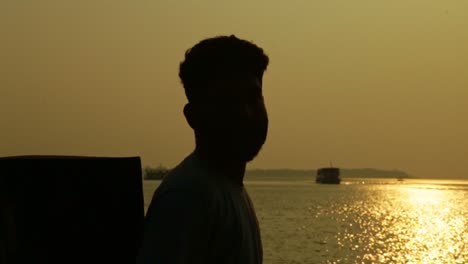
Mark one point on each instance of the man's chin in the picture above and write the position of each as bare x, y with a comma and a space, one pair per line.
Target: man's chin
248, 156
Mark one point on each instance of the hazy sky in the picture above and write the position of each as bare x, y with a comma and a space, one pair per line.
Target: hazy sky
361, 83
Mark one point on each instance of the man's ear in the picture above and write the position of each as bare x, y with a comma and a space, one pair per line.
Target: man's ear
189, 114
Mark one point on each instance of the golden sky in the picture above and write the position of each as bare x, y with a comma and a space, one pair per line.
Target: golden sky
362, 83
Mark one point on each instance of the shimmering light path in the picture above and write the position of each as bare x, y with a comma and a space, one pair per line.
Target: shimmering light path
360, 221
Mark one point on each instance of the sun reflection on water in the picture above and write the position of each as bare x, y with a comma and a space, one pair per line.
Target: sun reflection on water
412, 225
417, 221
439, 232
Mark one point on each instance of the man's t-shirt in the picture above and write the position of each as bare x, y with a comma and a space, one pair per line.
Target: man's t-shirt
199, 216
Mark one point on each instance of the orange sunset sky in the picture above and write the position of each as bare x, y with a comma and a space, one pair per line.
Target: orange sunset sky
362, 83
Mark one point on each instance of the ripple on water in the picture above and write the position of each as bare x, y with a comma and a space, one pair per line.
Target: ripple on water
405, 225
363, 223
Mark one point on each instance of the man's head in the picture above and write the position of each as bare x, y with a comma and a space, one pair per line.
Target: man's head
222, 78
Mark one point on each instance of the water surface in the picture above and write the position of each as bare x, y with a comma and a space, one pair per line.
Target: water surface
360, 220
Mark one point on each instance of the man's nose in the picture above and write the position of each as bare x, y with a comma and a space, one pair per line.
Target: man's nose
253, 111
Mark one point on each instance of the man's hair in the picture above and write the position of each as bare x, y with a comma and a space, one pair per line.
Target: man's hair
220, 58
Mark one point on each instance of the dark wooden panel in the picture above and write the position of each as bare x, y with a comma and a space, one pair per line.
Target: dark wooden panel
62, 209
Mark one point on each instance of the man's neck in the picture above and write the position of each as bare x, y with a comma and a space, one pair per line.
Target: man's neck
232, 169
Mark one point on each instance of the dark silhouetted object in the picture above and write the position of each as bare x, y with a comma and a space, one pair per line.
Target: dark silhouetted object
63, 209
328, 175
201, 211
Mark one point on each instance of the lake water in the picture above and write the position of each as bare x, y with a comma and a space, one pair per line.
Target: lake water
360, 220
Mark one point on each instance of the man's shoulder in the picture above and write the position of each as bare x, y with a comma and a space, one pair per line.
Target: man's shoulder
185, 186
189, 175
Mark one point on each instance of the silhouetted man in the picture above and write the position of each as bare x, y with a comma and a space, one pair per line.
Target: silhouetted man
201, 212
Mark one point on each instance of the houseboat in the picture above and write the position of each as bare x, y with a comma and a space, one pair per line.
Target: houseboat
328, 175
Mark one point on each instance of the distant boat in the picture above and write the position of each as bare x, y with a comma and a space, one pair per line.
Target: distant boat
328, 175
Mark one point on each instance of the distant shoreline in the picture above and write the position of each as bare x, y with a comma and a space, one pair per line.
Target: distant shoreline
307, 173
345, 173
